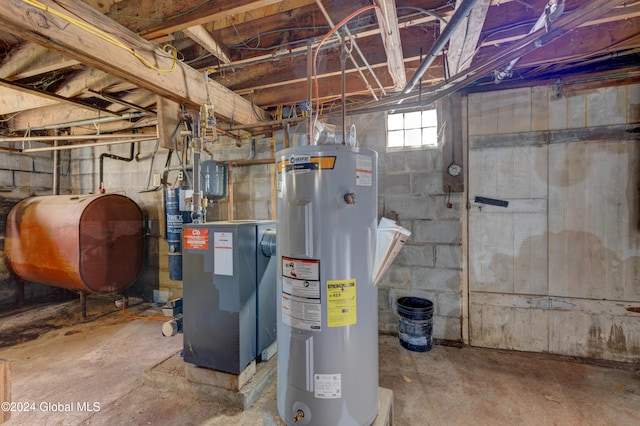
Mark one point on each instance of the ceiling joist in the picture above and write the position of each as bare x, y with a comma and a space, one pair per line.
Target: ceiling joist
114, 49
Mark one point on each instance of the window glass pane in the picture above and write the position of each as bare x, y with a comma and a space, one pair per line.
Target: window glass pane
412, 137
412, 129
394, 122
395, 139
412, 120
430, 136
429, 118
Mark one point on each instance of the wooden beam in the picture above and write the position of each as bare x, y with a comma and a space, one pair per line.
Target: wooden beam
13, 101
168, 120
206, 13
390, 32
111, 51
31, 59
51, 97
201, 36
464, 40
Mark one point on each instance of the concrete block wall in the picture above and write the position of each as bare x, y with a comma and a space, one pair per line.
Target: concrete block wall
430, 263
23, 175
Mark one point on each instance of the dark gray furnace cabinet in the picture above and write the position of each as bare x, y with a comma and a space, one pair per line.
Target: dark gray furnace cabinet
229, 298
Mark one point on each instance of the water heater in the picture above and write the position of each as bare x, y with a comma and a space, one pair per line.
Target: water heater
327, 304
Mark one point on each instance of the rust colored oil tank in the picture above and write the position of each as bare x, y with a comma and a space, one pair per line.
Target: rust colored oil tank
89, 243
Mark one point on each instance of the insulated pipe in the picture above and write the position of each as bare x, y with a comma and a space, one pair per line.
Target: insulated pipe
458, 17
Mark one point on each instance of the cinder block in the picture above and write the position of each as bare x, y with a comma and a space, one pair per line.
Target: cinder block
392, 162
426, 183
16, 162
416, 255
440, 232
6, 178
448, 304
448, 256
35, 182
436, 279
394, 184
408, 207
396, 277
441, 210
424, 160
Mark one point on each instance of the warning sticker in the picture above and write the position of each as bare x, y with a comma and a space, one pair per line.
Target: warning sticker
302, 313
223, 253
327, 386
196, 238
301, 293
341, 303
301, 269
364, 170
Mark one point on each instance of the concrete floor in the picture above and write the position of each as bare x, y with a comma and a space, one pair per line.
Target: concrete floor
58, 361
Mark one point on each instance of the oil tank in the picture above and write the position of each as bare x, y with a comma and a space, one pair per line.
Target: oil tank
327, 304
88, 243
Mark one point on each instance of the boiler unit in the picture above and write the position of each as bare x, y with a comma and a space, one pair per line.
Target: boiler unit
88, 243
229, 306
327, 303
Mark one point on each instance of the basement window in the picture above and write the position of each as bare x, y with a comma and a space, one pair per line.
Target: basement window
416, 129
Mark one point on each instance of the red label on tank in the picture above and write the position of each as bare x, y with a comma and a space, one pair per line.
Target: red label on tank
196, 238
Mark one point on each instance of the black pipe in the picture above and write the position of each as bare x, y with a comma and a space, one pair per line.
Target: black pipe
459, 15
115, 157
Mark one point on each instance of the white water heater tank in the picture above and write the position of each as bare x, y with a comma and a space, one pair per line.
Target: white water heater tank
327, 305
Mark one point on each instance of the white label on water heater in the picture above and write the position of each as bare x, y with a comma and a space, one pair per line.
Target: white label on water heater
364, 170
301, 306
327, 386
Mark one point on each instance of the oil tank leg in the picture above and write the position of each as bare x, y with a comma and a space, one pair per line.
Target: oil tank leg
83, 305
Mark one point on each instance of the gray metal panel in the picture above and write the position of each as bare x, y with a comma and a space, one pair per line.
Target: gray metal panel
266, 291
220, 311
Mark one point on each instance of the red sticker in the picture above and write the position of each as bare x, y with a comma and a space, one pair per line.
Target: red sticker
196, 238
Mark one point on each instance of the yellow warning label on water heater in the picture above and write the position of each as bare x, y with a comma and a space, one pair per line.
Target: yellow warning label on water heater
341, 303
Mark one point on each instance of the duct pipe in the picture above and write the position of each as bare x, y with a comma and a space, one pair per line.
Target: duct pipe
457, 18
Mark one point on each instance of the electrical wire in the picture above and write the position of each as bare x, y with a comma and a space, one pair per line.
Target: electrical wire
242, 42
315, 59
172, 51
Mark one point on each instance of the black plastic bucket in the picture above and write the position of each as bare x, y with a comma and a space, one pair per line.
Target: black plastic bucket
416, 324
